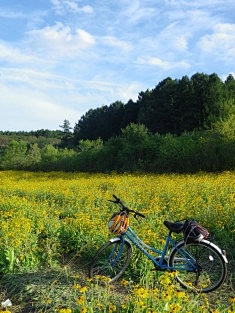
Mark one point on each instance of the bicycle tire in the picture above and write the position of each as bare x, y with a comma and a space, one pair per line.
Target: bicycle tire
209, 261
103, 262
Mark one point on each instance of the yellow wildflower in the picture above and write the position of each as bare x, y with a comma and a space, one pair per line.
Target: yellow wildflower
76, 286
166, 295
124, 282
112, 308
83, 289
141, 292
181, 295
65, 311
81, 300
75, 276
175, 307
164, 280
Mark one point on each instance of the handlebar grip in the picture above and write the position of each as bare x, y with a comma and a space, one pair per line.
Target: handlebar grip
117, 199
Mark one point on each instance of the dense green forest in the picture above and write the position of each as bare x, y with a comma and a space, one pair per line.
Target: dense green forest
182, 125
42, 137
173, 106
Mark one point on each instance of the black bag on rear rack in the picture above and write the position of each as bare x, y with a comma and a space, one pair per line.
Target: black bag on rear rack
194, 232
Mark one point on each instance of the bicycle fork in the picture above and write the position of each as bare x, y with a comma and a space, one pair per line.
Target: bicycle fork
119, 252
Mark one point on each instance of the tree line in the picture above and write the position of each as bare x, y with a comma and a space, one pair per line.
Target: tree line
135, 149
47, 133
182, 125
42, 137
173, 106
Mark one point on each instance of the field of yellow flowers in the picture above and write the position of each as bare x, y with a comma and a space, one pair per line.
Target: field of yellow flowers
51, 224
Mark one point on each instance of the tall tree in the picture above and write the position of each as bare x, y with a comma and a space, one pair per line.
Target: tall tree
199, 82
229, 90
67, 137
183, 109
130, 113
103, 122
214, 100
157, 107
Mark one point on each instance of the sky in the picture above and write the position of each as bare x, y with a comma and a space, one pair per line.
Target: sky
60, 58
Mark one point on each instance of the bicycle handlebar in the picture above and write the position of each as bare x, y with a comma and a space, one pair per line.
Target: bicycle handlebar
124, 208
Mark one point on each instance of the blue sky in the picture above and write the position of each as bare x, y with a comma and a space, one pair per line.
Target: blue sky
59, 58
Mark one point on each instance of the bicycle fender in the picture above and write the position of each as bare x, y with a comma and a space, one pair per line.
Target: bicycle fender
217, 248
115, 239
207, 242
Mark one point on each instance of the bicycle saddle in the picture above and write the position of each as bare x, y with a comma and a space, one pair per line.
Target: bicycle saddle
175, 227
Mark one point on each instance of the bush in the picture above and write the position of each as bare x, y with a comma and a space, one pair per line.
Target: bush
136, 149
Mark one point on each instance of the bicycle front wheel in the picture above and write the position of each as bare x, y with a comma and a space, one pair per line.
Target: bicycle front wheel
200, 266
111, 260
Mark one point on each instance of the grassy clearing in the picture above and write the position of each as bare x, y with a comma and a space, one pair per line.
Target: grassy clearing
51, 225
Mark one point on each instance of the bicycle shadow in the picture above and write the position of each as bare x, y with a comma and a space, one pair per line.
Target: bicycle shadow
45, 289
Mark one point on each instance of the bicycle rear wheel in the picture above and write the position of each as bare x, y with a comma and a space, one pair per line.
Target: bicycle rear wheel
111, 260
199, 265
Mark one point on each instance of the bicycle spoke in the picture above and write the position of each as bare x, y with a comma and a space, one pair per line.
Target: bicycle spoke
111, 260
204, 271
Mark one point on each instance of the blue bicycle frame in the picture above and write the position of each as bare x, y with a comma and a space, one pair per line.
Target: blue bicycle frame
189, 265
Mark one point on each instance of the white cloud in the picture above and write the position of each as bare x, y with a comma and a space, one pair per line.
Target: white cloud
73, 6
174, 37
199, 3
61, 7
30, 77
58, 6
197, 19
60, 41
51, 81
15, 55
135, 11
129, 91
180, 43
221, 42
165, 65
26, 109
185, 25
115, 42
85, 37
25, 93
87, 9
12, 14
224, 76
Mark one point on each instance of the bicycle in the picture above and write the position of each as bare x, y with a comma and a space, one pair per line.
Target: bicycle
199, 264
